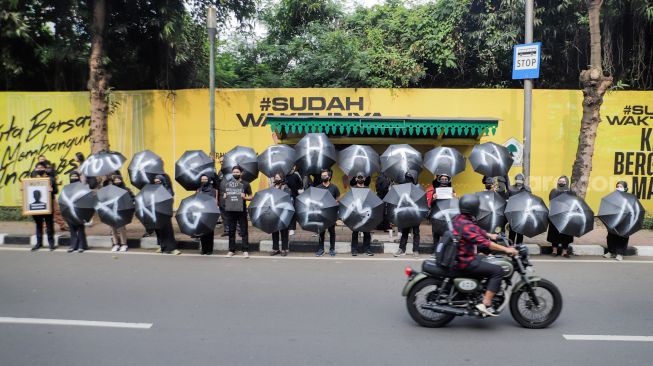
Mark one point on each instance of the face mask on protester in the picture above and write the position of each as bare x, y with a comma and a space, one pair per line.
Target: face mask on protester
277, 181
360, 180
236, 176
325, 179
562, 185
489, 186
621, 189
74, 179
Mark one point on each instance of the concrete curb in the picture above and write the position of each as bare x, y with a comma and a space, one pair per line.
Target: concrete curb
2, 239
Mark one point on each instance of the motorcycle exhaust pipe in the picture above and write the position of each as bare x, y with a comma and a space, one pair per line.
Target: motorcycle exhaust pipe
444, 309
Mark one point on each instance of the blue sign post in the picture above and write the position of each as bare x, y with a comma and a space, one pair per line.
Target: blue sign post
526, 61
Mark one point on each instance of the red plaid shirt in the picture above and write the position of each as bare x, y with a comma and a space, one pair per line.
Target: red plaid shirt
471, 236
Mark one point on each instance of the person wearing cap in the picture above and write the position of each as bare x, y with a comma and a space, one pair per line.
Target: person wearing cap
410, 177
617, 245
119, 234
78, 241
489, 184
165, 236
235, 218
360, 181
514, 190
39, 220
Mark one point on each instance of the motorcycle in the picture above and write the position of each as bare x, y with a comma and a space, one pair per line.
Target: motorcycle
435, 296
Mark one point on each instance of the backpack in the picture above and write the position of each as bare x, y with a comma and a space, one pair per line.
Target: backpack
446, 253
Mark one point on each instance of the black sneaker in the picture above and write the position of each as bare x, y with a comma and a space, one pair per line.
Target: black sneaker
369, 253
354, 253
319, 253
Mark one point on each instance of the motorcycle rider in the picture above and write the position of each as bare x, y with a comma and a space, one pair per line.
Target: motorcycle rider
473, 237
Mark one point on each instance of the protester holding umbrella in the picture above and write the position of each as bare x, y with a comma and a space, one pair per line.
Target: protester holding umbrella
237, 190
514, 190
443, 180
39, 172
559, 242
410, 177
278, 183
119, 234
294, 182
165, 236
617, 244
325, 177
206, 240
382, 186
77, 233
361, 182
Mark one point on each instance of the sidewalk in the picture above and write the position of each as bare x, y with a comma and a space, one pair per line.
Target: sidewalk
592, 243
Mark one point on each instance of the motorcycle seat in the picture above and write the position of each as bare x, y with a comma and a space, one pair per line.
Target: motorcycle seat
430, 267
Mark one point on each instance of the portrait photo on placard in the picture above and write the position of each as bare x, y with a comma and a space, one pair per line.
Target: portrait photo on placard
36, 196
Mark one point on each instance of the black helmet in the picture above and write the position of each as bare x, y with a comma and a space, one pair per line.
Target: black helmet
468, 204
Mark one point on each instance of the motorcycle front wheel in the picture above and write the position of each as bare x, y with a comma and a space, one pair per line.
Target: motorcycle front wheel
532, 316
422, 293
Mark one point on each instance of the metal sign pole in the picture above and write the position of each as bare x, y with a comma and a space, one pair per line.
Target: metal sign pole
528, 98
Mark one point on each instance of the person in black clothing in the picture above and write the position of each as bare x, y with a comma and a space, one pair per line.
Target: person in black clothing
166, 235
278, 183
295, 183
361, 182
382, 186
617, 245
77, 231
410, 177
40, 172
325, 177
239, 217
559, 242
119, 234
513, 190
206, 240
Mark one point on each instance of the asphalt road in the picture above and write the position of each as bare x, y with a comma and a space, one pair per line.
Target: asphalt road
307, 311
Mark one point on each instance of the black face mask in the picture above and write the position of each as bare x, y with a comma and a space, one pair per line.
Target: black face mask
73, 180
325, 179
236, 176
277, 181
489, 186
562, 185
360, 181
206, 184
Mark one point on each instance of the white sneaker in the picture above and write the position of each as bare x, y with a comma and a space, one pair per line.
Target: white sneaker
158, 250
399, 252
607, 255
485, 310
619, 257
123, 248
246, 254
175, 252
115, 248
230, 254
291, 232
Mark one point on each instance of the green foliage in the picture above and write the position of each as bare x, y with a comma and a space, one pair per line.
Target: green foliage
8, 213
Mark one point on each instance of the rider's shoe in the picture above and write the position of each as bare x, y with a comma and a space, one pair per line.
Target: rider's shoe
487, 311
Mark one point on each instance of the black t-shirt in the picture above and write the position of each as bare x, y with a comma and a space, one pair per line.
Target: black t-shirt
335, 192
247, 189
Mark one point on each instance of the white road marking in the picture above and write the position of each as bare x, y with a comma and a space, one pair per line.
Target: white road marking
598, 337
79, 323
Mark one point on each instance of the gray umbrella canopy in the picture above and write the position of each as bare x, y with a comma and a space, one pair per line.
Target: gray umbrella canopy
527, 214
491, 211
154, 206
191, 166
115, 206
398, 159
245, 157
314, 153
359, 159
622, 213
102, 163
77, 203
407, 205
276, 159
442, 214
444, 160
197, 214
571, 215
316, 209
271, 210
491, 159
361, 209
145, 165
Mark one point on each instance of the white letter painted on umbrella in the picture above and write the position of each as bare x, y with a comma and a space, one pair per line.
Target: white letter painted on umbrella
143, 210
632, 210
357, 206
187, 168
575, 210
92, 164
360, 153
315, 148
271, 163
403, 152
109, 208
191, 214
141, 164
446, 153
529, 212
70, 201
496, 156
314, 208
284, 209
406, 204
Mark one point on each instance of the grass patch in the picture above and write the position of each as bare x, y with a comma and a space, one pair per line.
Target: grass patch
648, 222
9, 213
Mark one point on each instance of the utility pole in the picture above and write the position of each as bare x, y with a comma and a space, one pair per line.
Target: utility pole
211, 23
528, 97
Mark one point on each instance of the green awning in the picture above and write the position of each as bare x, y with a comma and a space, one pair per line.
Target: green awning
384, 126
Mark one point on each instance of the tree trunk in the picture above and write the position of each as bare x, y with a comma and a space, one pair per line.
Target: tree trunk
594, 85
98, 81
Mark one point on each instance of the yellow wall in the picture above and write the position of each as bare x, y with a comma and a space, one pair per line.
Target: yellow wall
169, 123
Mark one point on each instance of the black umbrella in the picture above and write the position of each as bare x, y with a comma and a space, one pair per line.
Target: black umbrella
102, 163
571, 215
77, 203
398, 159
314, 153
276, 159
154, 206
491, 211
359, 159
491, 159
622, 213
316, 209
527, 214
407, 205
191, 166
271, 210
444, 160
245, 157
115, 206
442, 214
197, 214
145, 165
361, 210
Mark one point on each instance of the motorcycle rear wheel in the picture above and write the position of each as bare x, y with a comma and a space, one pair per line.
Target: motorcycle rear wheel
527, 315
418, 296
